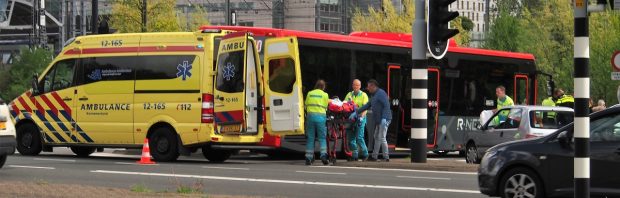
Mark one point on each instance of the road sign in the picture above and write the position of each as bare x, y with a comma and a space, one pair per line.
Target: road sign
615, 75
615, 61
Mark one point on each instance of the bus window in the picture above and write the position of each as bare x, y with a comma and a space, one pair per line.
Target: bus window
331, 64
282, 75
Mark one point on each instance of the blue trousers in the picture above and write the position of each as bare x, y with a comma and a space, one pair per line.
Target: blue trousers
315, 126
355, 137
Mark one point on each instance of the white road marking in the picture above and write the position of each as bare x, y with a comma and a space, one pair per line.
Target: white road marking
134, 163
50, 159
326, 173
402, 170
288, 181
228, 168
33, 167
416, 177
436, 159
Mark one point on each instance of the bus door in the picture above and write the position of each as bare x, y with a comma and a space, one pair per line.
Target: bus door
236, 86
283, 87
401, 106
521, 90
394, 90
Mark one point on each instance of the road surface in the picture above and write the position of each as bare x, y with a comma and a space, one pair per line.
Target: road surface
244, 175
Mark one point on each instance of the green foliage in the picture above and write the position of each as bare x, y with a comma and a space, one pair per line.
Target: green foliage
196, 19
196, 188
386, 20
141, 188
545, 29
466, 23
162, 16
19, 78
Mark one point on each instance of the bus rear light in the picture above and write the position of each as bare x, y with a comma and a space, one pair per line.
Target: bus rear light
207, 108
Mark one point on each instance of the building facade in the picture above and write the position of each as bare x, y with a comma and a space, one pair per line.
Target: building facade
480, 12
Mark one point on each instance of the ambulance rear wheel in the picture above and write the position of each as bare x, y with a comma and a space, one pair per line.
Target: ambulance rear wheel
29, 140
83, 151
215, 155
163, 145
2, 160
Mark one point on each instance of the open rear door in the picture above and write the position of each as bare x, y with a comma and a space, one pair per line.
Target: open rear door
230, 90
283, 94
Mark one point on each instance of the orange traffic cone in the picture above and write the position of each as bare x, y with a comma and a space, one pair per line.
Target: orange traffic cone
146, 154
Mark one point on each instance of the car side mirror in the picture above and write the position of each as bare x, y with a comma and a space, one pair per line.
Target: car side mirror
564, 139
35, 84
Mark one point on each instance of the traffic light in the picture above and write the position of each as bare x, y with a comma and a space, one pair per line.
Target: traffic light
438, 30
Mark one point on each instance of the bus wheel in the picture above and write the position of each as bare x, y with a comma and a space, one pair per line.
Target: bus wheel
163, 144
29, 139
215, 155
81, 151
472, 154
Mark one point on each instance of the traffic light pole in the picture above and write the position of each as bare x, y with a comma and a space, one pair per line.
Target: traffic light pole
581, 161
419, 86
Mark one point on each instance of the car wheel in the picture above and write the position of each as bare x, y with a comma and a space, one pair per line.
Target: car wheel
2, 160
29, 140
472, 154
163, 144
83, 151
215, 155
521, 182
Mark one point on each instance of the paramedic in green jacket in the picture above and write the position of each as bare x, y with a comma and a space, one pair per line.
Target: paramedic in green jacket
355, 134
316, 109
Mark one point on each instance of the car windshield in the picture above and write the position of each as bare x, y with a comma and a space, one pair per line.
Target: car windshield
549, 119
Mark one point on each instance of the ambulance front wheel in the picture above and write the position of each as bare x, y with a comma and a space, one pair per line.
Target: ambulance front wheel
163, 145
29, 139
2, 160
216, 155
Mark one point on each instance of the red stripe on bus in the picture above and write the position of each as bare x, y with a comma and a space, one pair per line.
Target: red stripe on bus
61, 102
49, 104
24, 104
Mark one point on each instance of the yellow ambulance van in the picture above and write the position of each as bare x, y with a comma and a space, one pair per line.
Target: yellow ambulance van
182, 91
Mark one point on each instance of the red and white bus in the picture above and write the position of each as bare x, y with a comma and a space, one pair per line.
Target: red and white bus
460, 85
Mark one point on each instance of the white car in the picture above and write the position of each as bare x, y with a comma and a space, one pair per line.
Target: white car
7, 133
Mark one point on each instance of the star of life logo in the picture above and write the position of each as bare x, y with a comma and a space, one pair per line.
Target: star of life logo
95, 75
229, 71
184, 70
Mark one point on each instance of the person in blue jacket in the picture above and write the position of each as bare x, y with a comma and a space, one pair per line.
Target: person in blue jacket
381, 113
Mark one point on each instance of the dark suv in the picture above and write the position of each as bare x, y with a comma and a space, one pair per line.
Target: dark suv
543, 167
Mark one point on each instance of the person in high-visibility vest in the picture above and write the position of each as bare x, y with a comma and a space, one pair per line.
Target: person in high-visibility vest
549, 102
563, 100
355, 134
503, 100
316, 109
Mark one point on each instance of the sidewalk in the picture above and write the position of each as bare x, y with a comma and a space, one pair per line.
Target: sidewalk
433, 164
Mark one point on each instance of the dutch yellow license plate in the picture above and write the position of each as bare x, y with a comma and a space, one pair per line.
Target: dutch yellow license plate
2, 125
232, 128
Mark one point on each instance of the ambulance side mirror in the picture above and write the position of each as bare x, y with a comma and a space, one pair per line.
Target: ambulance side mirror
35, 84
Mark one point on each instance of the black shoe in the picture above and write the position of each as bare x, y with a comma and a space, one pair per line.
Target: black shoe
325, 160
387, 160
371, 159
364, 159
309, 162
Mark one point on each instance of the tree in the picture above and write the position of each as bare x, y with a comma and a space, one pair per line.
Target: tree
387, 19
127, 16
29, 62
196, 19
545, 29
464, 25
